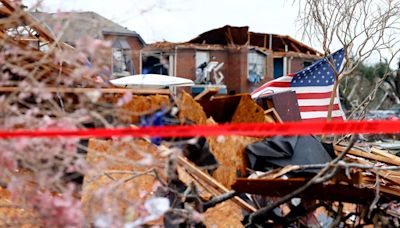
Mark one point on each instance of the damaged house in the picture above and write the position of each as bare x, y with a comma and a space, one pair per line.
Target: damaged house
243, 59
74, 26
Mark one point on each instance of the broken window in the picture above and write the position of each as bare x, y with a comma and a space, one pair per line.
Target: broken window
202, 58
157, 63
122, 58
256, 63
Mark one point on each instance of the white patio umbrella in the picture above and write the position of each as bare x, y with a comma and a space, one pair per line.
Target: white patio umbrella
152, 81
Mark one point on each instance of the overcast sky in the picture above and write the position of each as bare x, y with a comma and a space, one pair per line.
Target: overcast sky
181, 20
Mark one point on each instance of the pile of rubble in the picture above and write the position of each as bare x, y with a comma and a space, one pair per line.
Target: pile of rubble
230, 181
234, 181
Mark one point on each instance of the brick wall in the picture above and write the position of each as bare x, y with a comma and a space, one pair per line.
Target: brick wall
236, 69
297, 64
185, 63
136, 47
270, 67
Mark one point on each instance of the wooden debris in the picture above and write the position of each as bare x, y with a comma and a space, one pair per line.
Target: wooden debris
271, 116
279, 172
221, 108
285, 104
121, 191
203, 189
206, 94
229, 152
111, 155
374, 157
225, 214
122, 175
248, 111
385, 154
45, 35
11, 215
88, 90
327, 191
211, 182
190, 110
137, 106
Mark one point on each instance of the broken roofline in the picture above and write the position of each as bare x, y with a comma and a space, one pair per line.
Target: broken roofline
170, 46
230, 35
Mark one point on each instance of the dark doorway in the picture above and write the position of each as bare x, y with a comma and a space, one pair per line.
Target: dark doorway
278, 67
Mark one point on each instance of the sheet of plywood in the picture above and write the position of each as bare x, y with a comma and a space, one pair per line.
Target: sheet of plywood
190, 110
121, 155
230, 154
117, 194
248, 111
142, 105
226, 214
120, 176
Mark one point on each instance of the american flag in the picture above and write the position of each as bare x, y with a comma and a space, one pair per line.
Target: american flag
313, 86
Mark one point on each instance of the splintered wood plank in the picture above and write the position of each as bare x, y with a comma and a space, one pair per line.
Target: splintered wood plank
191, 168
370, 156
204, 190
225, 214
384, 154
206, 94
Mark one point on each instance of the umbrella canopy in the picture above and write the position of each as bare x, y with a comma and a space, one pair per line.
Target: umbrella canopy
151, 81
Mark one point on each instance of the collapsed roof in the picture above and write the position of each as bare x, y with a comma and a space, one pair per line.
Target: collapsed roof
229, 35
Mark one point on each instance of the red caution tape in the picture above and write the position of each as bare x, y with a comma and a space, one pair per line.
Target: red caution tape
253, 129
